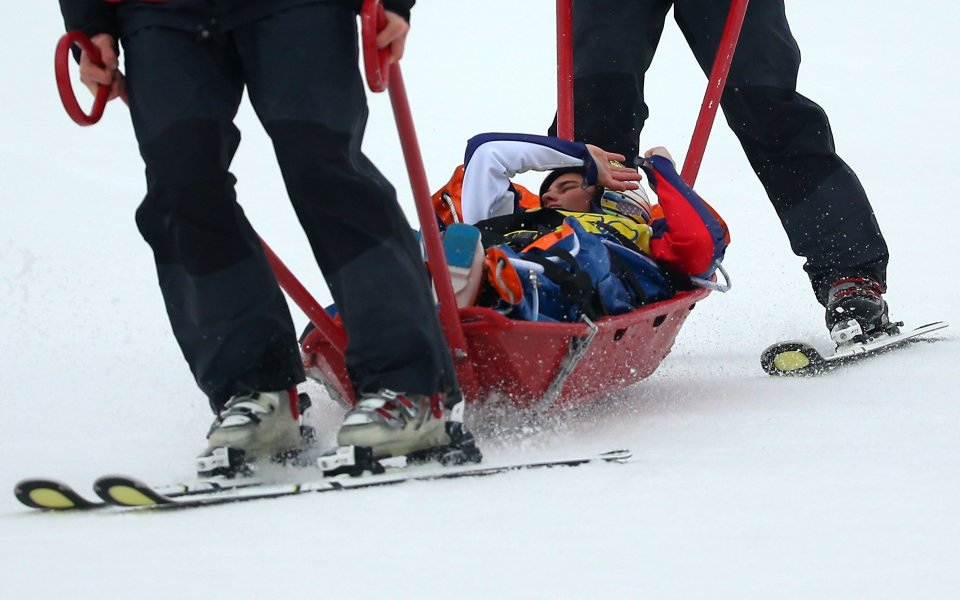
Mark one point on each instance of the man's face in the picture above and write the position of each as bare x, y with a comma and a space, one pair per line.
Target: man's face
567, 193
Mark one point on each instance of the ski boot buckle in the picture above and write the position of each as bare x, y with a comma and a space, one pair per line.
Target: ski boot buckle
222, 462
350, 460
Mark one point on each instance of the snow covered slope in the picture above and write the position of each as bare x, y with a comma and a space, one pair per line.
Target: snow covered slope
742, 486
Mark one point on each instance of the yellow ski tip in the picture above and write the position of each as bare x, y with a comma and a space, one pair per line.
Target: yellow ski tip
51, 498
791, 360
129, 496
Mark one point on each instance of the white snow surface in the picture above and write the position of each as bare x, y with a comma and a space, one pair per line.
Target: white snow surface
742, 486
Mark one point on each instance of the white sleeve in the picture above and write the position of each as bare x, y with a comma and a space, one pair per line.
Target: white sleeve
486, 179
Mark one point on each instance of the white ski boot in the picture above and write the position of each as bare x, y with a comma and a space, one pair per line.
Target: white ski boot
394, 424
261, 424
390, 430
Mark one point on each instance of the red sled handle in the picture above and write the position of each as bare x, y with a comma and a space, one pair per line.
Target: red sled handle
381, 75
376, 60
65, 88
565, 69
711, 99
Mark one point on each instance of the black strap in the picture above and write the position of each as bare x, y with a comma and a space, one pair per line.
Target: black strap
675, 280
629, 277
537, 222
575, 285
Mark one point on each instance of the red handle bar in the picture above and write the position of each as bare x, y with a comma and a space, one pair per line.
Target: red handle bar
711, 99
565, 69
69, 99
376, 60
380, 76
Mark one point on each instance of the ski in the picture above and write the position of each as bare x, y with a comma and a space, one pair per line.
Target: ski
48, 494
132, 493
801, 359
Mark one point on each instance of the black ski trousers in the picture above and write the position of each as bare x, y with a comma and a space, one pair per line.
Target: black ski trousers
786, 137
228, 314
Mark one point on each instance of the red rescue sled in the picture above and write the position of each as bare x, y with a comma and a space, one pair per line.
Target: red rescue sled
533, 365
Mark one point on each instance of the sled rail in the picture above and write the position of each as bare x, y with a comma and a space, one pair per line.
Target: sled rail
715, 86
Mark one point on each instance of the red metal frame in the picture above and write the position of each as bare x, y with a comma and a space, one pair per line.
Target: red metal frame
322, 354
327, 327
437, 263
711, 99
375, 60
565, 69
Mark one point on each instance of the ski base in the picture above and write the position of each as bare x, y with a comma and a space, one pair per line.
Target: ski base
801, 359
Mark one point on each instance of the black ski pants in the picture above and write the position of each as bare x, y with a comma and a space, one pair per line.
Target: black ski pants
786, 137
228, 314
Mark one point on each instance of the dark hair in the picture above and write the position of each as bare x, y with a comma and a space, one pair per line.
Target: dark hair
556, 173
582, 171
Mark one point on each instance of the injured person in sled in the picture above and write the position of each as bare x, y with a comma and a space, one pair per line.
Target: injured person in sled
588, 245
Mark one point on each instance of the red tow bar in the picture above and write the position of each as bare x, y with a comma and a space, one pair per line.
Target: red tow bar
384, 76
711, 99
376, 60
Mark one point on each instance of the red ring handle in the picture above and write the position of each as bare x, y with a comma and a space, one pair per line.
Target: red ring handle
376, 60
69, 99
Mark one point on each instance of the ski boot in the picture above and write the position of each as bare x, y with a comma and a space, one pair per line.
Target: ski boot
857, 312
390, 424
252, 426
